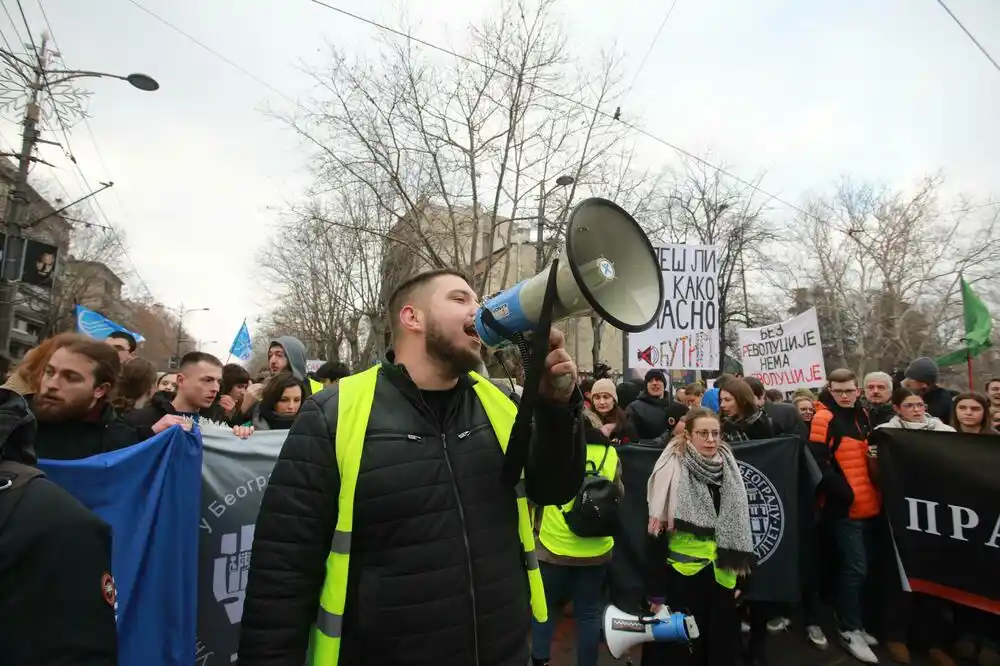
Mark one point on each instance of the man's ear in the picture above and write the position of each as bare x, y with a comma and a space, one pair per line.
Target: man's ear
102, 390
411, 319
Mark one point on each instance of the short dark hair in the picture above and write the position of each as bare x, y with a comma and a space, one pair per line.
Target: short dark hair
233, 374
842, 375
127, 337
756, 386
107, 365
196, 357
332, 371
405, 291
994, 380
774, 395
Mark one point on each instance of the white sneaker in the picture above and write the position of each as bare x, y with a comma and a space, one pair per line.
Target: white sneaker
855, 643
869, 639
817, 637
778, 624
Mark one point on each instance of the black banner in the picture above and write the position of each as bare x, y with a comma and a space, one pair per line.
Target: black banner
778, 474
940, 491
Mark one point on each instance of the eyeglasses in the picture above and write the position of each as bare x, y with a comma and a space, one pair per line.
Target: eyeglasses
914, 405
708, 434
844, 391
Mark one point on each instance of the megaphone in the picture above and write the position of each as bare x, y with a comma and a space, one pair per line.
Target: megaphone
623, 631
607, 266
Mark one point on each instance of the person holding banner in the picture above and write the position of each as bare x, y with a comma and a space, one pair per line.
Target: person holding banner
699, 518
388, 533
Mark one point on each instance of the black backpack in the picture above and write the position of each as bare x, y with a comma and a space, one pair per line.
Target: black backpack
595, 511
14, 478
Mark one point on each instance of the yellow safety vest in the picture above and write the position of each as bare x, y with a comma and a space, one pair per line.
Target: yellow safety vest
357, 393
315, 386
556, 535
689, 554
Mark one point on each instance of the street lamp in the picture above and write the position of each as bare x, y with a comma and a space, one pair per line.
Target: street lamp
181, 313
141, 81
14, 242
561, 181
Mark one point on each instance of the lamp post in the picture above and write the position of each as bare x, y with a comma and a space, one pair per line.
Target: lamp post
14, 242
181, 313
561, 181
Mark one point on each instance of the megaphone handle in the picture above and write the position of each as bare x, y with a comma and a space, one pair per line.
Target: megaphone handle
562, 383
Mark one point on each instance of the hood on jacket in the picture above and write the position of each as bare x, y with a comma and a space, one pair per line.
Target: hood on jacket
17, 429
295, 352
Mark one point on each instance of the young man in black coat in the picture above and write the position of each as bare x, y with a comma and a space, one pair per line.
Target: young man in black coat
437, 572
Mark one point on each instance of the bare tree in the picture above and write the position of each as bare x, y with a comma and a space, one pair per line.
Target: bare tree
883, 267
453, 151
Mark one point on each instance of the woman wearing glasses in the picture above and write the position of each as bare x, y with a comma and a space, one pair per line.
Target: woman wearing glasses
700, 543
911, 413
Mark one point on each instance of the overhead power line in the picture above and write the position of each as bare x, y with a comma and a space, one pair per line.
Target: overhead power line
969, 35
652, 44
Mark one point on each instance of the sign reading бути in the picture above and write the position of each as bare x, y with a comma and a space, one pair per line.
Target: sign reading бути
686, 335
785, 356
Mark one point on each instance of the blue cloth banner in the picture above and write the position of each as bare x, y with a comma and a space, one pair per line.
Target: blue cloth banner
241, 347
150, 494
97, 326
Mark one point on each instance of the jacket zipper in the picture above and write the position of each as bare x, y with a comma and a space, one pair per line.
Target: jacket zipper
465, 538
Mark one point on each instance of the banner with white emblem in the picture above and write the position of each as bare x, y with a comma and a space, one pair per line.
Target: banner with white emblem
235, 473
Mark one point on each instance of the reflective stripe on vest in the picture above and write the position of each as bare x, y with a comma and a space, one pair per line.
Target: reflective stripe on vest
556, 535
688, 555
356, 395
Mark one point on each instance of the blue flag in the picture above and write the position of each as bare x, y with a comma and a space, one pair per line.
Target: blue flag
150, 494
241, 348
97, 326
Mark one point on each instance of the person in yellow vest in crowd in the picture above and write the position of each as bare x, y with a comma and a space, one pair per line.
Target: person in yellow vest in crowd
387, 535
701, 544
573, 567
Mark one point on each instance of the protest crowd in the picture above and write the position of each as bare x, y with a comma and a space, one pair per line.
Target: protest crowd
424, 551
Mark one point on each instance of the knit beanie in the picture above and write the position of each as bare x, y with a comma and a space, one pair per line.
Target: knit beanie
656, 373
923, 370
604, 386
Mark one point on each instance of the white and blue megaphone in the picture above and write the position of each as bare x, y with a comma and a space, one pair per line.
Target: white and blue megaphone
607, 266
623, 631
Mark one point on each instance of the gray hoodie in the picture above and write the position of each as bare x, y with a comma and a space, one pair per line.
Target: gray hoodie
295, 352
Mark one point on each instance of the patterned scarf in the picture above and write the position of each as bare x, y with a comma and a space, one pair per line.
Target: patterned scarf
678, 495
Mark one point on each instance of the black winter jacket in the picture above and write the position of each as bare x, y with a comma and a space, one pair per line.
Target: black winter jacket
56, 607
146, 417
82, 438
652, 417
437, 571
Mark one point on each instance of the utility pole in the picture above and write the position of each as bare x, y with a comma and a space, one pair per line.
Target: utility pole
181, 312
14, 242
14, 222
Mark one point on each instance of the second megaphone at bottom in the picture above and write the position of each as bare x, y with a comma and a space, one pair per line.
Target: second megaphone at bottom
623, 631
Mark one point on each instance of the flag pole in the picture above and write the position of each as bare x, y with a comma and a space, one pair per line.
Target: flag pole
968, 357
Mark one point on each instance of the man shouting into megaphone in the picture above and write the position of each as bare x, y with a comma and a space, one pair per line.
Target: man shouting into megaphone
387, 534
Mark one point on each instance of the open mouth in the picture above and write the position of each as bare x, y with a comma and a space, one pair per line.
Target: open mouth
470, 330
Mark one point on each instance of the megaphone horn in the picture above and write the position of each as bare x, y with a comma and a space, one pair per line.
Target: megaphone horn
607, 266
623, 631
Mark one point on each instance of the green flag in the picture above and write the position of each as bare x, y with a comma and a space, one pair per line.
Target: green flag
978, 327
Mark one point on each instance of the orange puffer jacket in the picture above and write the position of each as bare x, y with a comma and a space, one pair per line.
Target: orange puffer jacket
852, 457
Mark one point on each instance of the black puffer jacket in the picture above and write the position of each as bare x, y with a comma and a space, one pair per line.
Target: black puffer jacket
437, 573
144, 418
654, 416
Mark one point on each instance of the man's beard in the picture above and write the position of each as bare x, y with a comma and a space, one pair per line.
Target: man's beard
454, 360
60, 411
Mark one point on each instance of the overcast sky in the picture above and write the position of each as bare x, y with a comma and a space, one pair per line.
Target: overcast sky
806, 90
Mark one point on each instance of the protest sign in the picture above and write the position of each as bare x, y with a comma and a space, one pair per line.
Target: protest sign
785, 356
686, 335
940, 491
234, 476
148, 494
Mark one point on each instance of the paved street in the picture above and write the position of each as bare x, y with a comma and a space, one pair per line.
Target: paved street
787, 649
